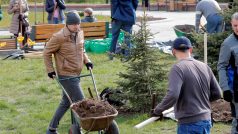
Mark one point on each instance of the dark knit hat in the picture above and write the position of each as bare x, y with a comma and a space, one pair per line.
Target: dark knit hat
182, 43
73, 18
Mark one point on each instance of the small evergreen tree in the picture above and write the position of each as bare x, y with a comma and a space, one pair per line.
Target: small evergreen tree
143, 70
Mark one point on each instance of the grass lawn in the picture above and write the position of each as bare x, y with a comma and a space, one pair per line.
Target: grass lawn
28, 98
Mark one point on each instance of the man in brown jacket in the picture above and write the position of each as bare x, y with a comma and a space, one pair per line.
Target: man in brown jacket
67, 46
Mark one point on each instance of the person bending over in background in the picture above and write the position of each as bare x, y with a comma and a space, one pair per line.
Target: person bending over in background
211, 10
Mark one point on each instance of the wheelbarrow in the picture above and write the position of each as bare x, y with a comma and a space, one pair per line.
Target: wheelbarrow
102, 124
184, 30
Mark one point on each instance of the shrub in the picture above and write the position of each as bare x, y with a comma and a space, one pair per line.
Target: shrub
144, 71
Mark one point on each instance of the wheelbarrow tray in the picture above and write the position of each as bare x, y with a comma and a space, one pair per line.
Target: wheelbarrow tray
95, 123
184, 30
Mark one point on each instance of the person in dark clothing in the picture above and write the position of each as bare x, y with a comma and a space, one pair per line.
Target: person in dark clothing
228, 72
55, 8
123, 14
146, 4
192, 86
88, 15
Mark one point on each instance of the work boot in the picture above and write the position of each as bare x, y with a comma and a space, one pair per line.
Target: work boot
52, 131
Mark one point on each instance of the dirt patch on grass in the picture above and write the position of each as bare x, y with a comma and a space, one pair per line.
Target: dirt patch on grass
93, 108
221, 111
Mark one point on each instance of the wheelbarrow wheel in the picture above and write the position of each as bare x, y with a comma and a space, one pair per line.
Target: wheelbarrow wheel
74, 129
112, 129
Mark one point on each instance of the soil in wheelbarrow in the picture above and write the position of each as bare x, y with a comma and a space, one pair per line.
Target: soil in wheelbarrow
186, 28
221, 111
93, 108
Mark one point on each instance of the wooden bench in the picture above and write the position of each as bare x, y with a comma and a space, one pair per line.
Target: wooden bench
10, 43
92, 30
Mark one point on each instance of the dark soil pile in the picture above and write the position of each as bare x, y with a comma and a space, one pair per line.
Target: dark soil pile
221, 111
93, 108
185, 28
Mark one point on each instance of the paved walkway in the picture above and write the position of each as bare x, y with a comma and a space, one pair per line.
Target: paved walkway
164, 27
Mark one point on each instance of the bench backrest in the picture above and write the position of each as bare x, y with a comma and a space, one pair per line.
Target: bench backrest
10, 44
92, 30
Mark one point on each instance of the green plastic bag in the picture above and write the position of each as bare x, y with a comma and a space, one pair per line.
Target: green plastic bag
99, 47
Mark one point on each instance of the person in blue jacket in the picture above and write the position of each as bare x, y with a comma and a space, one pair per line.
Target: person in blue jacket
123, 14
55, 8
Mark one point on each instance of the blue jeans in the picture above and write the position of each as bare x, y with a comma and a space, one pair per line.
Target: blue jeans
72, 87
200, 127
116, 27
214, 23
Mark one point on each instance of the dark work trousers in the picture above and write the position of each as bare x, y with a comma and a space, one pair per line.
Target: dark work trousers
117, 25
234, 109
72, 87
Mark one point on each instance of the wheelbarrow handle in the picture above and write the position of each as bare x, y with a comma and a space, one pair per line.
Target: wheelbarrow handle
94, 83
62, 87
92, 76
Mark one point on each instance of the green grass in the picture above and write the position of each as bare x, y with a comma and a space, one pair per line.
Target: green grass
28, 99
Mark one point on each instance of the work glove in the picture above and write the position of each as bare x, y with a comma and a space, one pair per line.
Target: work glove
154, 114
89, 65
227, 95
51, 75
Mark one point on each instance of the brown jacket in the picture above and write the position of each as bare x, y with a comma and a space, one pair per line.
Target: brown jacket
68, 54
14, 28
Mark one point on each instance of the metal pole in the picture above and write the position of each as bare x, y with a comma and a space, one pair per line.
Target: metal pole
35, 12
153, 103
205, 47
